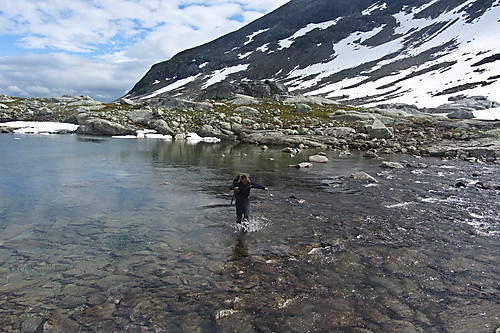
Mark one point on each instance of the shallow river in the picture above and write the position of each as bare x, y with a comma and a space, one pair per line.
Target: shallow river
138, 235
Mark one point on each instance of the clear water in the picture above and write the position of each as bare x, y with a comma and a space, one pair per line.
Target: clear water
102, 234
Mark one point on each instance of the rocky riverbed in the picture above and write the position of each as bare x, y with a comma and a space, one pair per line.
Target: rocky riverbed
295, 121
127, 244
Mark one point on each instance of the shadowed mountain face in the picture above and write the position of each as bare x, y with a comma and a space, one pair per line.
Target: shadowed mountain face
355, 51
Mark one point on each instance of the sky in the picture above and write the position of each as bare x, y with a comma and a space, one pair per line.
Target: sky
101, 48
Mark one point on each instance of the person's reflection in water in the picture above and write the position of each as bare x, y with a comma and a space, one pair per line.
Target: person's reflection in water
240, 249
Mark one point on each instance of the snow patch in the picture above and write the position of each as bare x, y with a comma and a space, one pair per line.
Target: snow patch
243, 56
252, 36
489, 114
221, 74
191, 138
35, 127
173, 86
374, 7
263, 48
406, 87
286, 43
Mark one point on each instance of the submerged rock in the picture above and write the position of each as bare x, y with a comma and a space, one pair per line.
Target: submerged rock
318, 159
363, 177
391, 165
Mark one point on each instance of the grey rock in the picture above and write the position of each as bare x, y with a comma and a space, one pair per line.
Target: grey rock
161, 127
246, 110
82, 115
126, 101
44, 111
180, 137
391, 165
351, 116
339, 132
225, 126
461, 103
494, 133
60, 323
288, 99
461, 114
279, 138
142, 117
209, 131
291, 150
238, 120
362, 177
318, 159
180, 104
303, 165
377, 130
96, 126
236, 128
302, 108
30, 323
259, 89
245, 100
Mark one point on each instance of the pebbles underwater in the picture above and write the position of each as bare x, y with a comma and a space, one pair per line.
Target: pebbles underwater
123, 236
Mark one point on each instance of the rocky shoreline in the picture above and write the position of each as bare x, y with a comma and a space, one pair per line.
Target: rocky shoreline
291, 121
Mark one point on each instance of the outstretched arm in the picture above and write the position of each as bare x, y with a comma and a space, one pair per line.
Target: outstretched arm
255, 185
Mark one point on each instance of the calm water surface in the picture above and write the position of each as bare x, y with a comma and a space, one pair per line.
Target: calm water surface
114, 235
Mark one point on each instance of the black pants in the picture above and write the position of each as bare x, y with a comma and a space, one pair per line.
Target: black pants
242, 209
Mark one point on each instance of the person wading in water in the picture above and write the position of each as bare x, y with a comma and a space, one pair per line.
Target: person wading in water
241, 189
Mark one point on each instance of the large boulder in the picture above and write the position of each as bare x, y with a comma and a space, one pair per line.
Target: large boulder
97, 126
259, 89
246, 110
318, 159
362, 176
142, 117
245, 100
209, 131
342, 115
302, 108
460, 114
161, 127
377, 130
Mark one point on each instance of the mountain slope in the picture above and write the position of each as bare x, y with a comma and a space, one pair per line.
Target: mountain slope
356, 51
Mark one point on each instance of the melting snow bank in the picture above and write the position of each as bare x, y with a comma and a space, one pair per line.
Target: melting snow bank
35, 127
152, 134
488, 114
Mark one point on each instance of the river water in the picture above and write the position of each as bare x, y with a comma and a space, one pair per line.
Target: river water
138, 235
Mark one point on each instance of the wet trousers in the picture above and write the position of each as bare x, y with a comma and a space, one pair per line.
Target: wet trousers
242, 209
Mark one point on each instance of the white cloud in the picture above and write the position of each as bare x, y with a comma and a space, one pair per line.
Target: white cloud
105, 46
57, 74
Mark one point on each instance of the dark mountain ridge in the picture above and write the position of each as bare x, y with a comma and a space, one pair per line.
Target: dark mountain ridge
357, 52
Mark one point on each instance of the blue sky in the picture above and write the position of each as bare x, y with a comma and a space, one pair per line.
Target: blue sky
102, 48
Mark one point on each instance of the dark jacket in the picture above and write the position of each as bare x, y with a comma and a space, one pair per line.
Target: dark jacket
243, 191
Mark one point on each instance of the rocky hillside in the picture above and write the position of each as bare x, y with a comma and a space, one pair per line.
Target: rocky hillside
294, 122
360, 52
